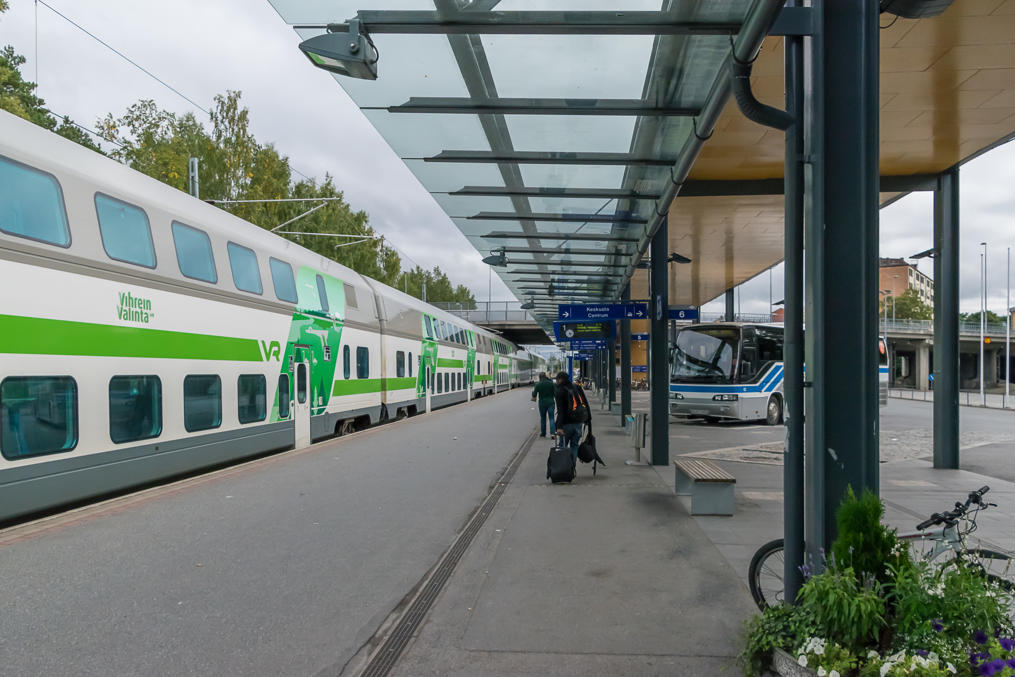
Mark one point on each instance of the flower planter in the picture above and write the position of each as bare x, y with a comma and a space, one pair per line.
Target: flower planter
786, 666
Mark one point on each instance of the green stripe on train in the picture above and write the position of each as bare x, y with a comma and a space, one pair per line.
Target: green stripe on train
483, 377
39, 336
445, 362
362, 386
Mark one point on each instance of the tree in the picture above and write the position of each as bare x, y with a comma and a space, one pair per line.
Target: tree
438, 287
908, 306
974, 318
17, 96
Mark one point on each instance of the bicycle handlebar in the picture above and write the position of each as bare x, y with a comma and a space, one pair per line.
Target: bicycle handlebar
949, 518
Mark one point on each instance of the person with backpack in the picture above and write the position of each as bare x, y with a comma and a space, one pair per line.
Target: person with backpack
573, 412
545, 392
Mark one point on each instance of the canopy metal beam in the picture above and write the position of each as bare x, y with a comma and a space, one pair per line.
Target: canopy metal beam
548, 191
563, 218
558, 252
415, 22
533, 106
534, 157
586, 237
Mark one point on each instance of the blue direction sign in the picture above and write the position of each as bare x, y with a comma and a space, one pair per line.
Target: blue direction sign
639, 368
683, 313
639, 337
588, 345
603, 311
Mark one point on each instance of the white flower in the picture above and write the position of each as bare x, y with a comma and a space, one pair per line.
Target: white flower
833, 673
802, 661
872, 654
820, 650
885, 668
933, 656
950, 668
821, 671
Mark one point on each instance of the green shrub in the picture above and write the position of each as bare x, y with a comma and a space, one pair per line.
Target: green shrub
781, 626
847, 609
863, 543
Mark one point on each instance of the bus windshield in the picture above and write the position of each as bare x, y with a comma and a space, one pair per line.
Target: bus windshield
705, 354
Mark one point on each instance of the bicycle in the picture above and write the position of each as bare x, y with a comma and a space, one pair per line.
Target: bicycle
765, 574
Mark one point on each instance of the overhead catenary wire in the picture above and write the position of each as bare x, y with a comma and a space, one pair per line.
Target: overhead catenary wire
133, 63
203, 110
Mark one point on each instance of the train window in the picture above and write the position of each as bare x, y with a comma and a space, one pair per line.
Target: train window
440, 384
31, 205
252, 391
447, 382
350, 296
135, 408
243, 262
322, 293
193, 253
202, 402
460, 386
126, 233
38, 415
301, 382
400, 364
478, 370
283, 396
409, 364
362, 362
282, 279
347, 370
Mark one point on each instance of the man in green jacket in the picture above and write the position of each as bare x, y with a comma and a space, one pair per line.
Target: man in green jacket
544, 391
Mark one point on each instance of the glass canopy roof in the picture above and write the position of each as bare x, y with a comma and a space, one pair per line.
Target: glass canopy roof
546, 129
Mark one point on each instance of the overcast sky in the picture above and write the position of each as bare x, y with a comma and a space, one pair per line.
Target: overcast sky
203, 48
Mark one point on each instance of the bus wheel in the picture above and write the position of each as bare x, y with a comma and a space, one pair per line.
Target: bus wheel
774, 413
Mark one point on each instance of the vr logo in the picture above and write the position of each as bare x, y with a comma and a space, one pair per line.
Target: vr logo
271, 351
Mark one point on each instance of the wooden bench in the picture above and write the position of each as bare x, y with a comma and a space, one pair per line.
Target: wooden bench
709, 486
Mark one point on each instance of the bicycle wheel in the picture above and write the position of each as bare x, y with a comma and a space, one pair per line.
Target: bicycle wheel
764, 576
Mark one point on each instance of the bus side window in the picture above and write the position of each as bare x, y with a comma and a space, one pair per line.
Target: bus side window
748, 354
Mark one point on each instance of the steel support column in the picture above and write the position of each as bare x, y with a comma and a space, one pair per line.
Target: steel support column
730, 311
946, 320
659, 413
793, 347
842, 260
625, 362
611, 368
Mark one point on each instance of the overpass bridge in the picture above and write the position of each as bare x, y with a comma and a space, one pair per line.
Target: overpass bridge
507, 318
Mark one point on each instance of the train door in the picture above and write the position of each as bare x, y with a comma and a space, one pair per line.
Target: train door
301, 409
429, 387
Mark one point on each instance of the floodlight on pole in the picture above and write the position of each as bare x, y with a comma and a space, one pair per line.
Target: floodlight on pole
499, 259
346, 49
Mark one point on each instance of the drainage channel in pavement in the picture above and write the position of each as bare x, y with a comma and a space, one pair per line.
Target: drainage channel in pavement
396, 632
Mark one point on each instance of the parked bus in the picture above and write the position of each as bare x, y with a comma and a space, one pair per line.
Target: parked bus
734, 371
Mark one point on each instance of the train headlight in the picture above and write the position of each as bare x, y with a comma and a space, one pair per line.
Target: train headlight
726, 398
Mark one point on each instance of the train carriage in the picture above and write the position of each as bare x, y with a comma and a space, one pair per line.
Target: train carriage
145, 334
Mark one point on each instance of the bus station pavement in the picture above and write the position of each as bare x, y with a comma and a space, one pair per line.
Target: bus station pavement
611, 575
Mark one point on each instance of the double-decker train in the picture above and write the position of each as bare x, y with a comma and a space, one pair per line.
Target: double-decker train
145, 334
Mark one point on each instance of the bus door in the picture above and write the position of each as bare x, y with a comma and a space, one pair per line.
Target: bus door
301, 408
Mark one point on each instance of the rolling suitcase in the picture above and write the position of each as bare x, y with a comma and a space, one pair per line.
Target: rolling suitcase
560, 463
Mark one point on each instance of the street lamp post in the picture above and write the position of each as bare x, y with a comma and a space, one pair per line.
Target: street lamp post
1007, 333
983, 316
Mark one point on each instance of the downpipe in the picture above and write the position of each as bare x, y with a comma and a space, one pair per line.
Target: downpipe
754, 110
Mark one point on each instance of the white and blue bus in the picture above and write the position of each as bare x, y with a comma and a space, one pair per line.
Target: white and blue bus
734, 371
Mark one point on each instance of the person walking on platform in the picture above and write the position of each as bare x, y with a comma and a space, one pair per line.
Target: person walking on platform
545, 392
573, 412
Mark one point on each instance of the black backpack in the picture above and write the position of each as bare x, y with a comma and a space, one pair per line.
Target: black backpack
578, 407
587, 451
